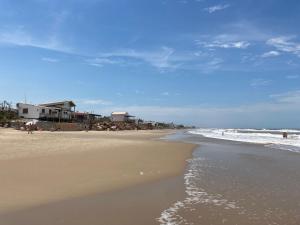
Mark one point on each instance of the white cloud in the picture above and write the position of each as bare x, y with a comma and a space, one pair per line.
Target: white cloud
51, 60
139, 92
270, 54
211, 65
20, 37
223, 44
244, 30
292, 97
167, 93
260, 82
215, 62
215, 8
292, 77
199, 54
164, 59
95, 64
100, 62
96, 102
285, 44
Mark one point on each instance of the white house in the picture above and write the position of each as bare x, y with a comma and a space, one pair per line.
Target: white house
49, 111
62, 110
120, 116
28, 111
64, 105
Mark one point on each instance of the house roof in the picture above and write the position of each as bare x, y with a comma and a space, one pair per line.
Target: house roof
119, 113
40, 106
81, 113
72, 104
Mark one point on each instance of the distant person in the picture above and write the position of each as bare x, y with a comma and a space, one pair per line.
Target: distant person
30, 128
285, 135
223, 133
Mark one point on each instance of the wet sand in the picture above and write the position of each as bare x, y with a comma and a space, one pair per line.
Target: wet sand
141, 204
88, 177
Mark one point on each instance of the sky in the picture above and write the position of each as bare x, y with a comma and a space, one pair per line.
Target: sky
209, 63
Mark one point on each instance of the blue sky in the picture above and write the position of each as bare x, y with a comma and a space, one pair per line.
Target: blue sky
210, 63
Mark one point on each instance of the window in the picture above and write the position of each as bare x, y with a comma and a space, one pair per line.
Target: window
25, 111
43, 111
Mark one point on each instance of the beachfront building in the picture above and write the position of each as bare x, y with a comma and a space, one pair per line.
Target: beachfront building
28, 111
85, 117
120, 116
55, 111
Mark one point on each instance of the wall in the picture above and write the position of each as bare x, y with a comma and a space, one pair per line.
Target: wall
50, 126
33, 111
117, 118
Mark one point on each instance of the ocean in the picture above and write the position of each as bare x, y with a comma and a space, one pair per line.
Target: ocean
269, 138
239, 177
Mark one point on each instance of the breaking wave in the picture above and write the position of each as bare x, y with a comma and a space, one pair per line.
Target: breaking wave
270, 138
195, 196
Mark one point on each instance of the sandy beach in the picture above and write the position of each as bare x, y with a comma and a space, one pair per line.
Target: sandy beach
62, 168
133, 177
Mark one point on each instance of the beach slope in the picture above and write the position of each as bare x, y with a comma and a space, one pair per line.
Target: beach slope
46, 167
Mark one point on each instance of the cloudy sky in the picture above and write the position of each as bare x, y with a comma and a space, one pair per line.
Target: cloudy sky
211, 63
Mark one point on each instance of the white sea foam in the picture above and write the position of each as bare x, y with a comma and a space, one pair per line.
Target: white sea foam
270, 138
195, 195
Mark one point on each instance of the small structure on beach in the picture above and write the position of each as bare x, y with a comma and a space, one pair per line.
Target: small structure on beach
120, 116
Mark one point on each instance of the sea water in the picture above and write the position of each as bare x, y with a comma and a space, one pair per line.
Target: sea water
231, 181
270, 138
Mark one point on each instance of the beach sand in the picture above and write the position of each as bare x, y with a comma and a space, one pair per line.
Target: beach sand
88, 177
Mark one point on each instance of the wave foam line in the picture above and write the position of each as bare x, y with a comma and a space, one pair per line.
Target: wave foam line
195, 195
269, 138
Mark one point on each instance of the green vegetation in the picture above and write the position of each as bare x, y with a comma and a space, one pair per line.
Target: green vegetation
7, 117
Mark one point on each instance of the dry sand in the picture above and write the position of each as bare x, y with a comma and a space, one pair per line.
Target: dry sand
47, 168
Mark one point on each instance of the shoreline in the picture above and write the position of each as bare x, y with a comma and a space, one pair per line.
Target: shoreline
42, 175
226, 182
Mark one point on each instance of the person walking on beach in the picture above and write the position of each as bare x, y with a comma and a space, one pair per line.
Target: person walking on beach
30, 128
86, 128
